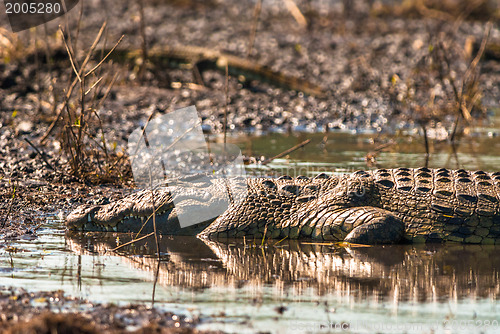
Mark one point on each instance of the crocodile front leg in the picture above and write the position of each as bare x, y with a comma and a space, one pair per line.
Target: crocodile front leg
376, 226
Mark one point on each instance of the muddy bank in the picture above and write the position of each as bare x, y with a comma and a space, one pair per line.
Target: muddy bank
53, 312
364, 63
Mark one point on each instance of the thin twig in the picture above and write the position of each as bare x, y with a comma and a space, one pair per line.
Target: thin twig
94, 45
255, 24
132, 157
296, 13
41, 154
104, 59
290, 150
11, 204
264, 236
82, 122
52, 125
142, 28
157, 273
465, 111
79, 25
92, 87
226, 104
156, 235
280, 241
426, 140
70, 55
473, 65
132, 241
69, 91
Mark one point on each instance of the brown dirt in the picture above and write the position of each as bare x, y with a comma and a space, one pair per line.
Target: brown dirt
53, 312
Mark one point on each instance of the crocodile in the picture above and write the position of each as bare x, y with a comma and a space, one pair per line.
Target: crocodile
383, 206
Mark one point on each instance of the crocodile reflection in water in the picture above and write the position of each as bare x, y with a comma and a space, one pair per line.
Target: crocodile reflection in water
419, 273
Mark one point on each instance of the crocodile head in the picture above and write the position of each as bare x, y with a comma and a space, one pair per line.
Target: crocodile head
200, 200
133, 213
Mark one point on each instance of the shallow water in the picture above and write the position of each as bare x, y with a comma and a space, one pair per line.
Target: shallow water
249, 287
346, 151
280, 287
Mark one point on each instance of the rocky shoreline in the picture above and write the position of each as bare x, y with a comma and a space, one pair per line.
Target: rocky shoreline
53, 312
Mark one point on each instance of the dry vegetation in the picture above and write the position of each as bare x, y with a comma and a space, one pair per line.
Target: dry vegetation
448, 78
82, 135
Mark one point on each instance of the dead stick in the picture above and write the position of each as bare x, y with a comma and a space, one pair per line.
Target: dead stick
41, 154
132, 241
255, 23
290, 150
11, 204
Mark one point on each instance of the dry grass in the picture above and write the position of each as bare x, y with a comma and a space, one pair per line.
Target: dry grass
11, 48
82, 135
447, 77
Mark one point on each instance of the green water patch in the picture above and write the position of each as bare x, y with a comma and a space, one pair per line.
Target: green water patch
347, 152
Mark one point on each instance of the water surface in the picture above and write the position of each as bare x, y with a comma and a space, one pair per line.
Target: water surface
282, 287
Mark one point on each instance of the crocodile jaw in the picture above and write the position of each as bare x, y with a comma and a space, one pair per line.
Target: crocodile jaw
98, 218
